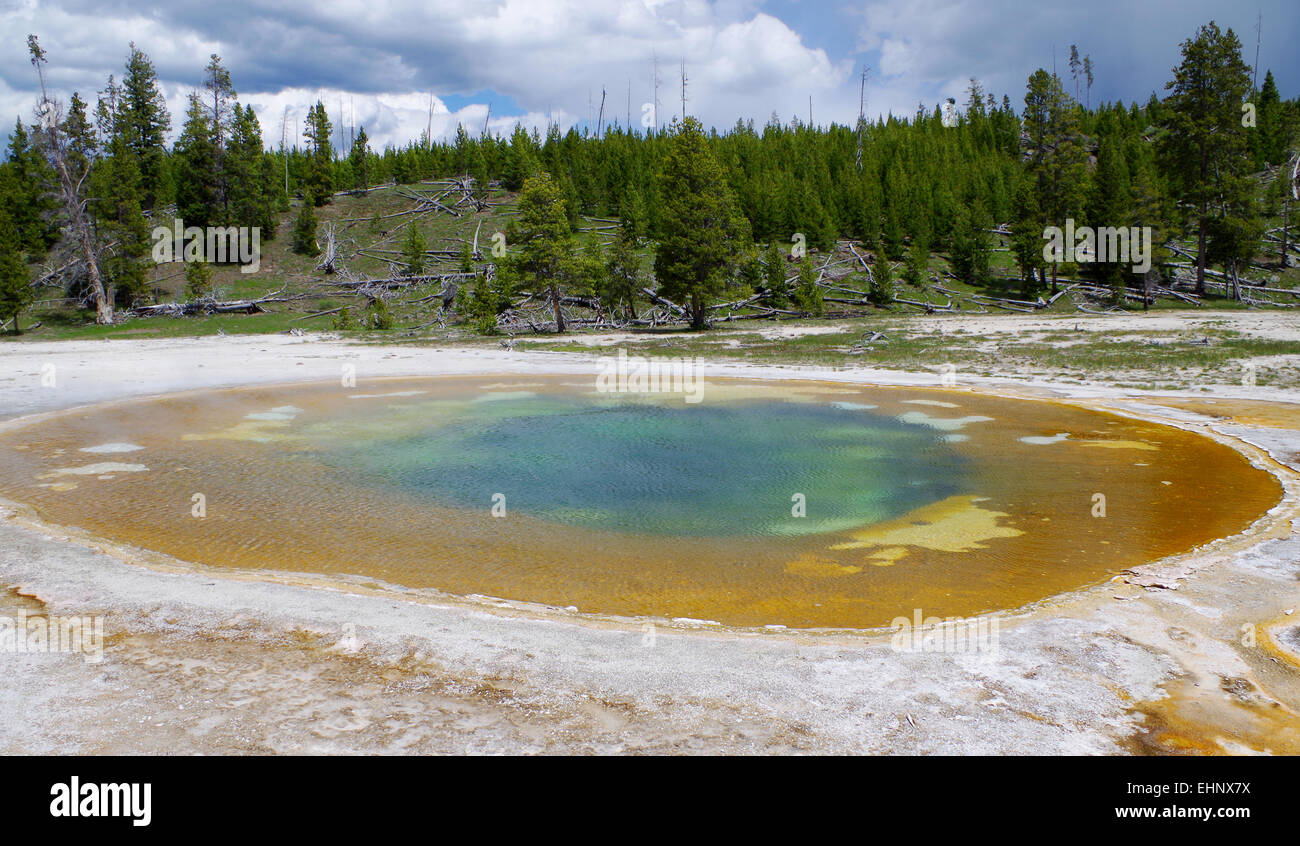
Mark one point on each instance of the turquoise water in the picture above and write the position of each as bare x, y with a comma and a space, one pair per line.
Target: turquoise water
714, 469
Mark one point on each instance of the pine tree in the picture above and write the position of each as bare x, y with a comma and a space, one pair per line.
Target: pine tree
377, 314
1110, 202
521, 160
632, 213
106, 116
120, 222
1270, 134
465, 151
1076, 69
750, 277
83, 150
882, 281
16, 291
218, 97
916, 270
624, 274
1087, 75
818, 225
480, 303
304, 231
1204, 146
198, 280
198, 202
319, 183
24, 197
774, 276
1150, 203
701, 232
1057, 161
345, 321
970, 245
144, 111
360, 158
251, 198
1233, 237
277, 196
542, 256
572, 204
1027, 236
413, 249
806, 293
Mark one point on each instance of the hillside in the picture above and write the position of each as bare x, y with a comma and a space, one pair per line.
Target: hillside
371, 225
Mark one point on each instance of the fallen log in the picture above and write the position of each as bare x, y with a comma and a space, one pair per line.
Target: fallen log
668, 304
354, 192
204, 306
929, 307
406, 280
318, 314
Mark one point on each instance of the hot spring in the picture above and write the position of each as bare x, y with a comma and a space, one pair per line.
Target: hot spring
795, 503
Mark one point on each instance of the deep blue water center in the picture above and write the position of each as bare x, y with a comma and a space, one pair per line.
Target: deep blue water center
720, 469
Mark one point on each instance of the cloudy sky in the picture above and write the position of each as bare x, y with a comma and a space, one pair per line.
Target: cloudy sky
385, 61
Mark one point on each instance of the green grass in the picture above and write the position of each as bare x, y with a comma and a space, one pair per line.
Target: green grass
81, 326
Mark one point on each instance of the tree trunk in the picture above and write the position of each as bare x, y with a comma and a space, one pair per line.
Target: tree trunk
698, 313
1200, 253
103, 305
555, 303
77, 218
1286, 213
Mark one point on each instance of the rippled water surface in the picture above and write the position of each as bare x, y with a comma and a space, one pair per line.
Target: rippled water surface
799, 504
667, 469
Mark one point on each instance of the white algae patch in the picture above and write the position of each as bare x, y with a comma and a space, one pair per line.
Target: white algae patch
503, 395
1046, 439
284, 413
113, 447
935, 403
853, 406
96, 469
947, 424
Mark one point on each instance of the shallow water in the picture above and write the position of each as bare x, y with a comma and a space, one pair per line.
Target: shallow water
659, 468
943, 501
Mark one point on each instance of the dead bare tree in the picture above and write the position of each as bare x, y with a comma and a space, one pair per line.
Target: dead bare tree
1291, 193
71, 188
329, 256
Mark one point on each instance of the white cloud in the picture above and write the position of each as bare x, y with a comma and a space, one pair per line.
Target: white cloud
743, 61
930, 48
387, 56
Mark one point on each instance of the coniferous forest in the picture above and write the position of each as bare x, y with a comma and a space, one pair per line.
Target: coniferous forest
633, 226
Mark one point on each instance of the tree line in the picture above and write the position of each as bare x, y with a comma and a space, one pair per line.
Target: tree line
706, 202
